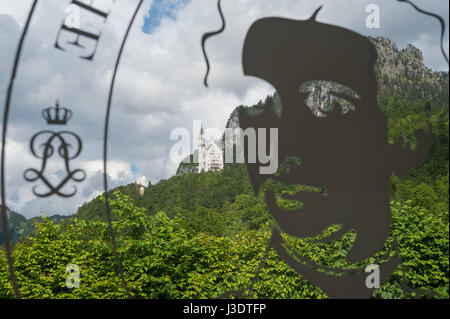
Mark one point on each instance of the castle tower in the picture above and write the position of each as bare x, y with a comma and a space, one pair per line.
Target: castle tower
214, 158
209, 157
201, 151
140, 182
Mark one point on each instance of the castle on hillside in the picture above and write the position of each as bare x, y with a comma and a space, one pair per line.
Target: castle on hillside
140, 185
209, 157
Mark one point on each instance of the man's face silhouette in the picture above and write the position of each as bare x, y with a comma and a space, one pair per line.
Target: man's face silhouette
330, 123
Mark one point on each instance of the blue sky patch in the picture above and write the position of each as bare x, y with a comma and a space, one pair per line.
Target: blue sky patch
134, 169
161, 9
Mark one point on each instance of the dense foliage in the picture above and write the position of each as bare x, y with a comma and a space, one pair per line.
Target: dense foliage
19, 226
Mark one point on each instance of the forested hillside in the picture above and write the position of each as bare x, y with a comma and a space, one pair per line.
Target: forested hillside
19, 226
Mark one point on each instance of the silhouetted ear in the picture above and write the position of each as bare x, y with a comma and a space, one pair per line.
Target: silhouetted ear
404, 160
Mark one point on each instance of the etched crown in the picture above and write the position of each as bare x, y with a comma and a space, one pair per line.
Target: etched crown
57, 115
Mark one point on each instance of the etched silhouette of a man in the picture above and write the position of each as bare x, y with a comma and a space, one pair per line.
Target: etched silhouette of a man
345, 153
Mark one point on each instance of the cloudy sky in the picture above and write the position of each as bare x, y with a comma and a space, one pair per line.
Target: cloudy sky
160, 80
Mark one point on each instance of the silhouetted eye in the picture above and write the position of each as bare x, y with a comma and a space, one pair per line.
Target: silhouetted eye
324, 95
287, 196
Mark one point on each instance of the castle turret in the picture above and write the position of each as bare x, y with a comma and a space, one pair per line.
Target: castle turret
209, 157
201, 151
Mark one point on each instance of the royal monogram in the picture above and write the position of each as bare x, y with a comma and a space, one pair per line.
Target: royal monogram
56, 144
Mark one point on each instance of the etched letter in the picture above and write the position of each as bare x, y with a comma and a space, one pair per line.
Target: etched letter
80, 33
